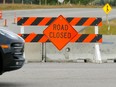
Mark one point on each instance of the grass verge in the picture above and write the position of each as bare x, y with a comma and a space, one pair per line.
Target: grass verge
29, 6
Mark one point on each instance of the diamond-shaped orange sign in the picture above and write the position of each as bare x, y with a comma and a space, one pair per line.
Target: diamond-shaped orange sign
60, 32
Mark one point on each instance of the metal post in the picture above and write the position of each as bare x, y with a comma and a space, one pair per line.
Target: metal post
43, 52
97, 49
108, 23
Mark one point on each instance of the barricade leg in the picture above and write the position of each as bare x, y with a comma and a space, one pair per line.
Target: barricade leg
97, 49
97, 54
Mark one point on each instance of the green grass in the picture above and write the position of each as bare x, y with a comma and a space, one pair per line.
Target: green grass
29, 6
103, 29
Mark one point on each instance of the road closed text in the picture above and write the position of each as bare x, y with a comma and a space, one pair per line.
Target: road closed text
60, 31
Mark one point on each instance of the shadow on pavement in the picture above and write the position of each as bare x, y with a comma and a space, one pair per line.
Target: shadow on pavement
8, 84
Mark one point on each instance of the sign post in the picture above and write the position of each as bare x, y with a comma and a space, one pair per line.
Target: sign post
107, 8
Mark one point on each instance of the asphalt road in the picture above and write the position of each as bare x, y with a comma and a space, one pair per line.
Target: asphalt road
66, 12
61, 75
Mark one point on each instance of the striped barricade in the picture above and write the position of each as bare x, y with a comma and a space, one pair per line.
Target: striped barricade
46, 21
73, 21
84, 38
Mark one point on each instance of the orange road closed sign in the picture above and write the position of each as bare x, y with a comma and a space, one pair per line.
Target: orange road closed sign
60, 32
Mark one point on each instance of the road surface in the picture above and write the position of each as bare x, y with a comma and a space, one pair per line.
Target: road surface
61, 75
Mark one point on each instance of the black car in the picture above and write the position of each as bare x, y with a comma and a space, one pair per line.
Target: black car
11, 51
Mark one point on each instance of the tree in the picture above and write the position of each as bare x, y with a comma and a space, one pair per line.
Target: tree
22, 1
12, 1
85, 2
4, 1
